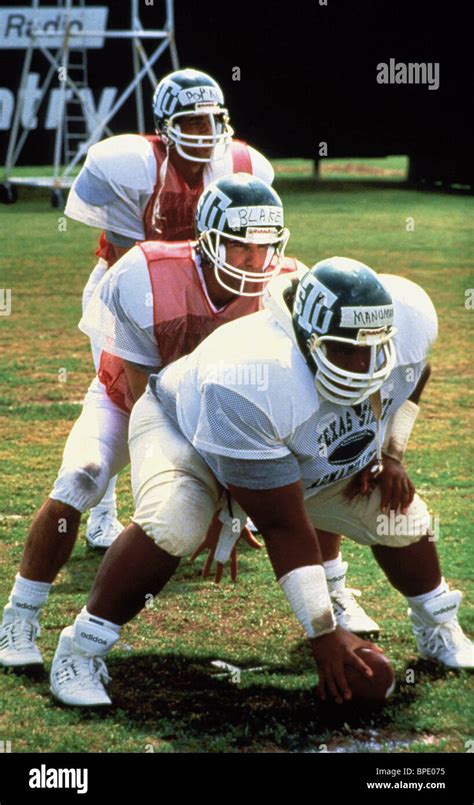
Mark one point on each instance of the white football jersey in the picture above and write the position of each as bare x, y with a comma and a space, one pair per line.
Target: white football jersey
119, 177
119, 317
247, 393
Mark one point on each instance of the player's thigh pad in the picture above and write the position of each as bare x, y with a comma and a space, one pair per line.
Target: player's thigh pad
360, 519
175, 493
95, 451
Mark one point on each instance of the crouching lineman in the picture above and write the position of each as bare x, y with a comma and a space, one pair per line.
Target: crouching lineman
155, 305
347, 354
139, 188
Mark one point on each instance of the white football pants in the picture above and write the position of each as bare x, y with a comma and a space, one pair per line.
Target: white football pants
176, 494
95, 451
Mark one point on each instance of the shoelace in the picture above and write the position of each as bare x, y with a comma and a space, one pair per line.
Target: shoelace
448, 633
104, 522
83, 671
21, 633
345, 596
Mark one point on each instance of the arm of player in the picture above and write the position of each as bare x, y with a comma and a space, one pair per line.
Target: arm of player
396, 488
137, 379
291, 542
119, 318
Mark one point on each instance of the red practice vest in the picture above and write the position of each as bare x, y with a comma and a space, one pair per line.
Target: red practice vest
181, 312
169, 213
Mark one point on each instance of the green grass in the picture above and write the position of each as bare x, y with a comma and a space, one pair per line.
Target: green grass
391, 169
166, 694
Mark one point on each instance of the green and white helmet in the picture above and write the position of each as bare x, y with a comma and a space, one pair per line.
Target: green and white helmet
343, 300
190, 93
240, 207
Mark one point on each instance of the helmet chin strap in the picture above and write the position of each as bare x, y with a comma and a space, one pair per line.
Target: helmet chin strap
375, 401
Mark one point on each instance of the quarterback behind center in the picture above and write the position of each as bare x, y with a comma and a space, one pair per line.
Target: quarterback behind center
342, 355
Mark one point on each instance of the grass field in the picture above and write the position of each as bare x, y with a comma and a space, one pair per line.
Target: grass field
166, 694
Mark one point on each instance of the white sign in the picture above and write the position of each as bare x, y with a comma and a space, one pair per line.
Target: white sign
17, 23
51, 114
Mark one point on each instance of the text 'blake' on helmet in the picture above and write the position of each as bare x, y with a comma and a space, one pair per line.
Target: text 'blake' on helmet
343, 300
243, 209
185, 94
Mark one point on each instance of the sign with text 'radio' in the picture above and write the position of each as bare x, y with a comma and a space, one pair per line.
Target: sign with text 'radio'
50, 25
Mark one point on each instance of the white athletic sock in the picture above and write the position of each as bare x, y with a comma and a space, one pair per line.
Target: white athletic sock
27, 598
109, 500
85, 615
94, 636
335, 570
419, 600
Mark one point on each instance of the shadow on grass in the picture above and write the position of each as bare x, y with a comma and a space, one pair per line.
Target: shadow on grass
181, 698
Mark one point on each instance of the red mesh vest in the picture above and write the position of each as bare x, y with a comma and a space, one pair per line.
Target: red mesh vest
181, 313
169, 214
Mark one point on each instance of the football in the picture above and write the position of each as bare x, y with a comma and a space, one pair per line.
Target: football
371, 691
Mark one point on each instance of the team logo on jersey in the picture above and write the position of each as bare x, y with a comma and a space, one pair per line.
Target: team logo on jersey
313, 303
353, 446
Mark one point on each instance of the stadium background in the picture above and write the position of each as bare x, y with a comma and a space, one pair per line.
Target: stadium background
309, 73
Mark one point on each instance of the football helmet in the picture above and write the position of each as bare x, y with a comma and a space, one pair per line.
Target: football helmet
343, 300
190, 92
240, 207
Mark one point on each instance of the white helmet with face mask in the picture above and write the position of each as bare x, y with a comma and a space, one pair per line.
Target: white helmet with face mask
241, 208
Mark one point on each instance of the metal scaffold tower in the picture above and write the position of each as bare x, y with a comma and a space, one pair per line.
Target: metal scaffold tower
79, 124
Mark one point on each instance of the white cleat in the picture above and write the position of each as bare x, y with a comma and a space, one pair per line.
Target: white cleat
17, 643
251, 526
349, 614
438, 634
76, 678
103, 528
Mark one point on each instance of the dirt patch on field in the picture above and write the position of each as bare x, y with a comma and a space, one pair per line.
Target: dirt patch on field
352, 169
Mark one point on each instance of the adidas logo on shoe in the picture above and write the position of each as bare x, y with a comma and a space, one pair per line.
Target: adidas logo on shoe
94, 638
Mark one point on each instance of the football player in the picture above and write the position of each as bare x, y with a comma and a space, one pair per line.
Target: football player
155, 305
146, 188
342, 357
139, 188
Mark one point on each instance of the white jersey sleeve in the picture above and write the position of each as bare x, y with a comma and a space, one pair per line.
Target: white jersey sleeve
114, 185
119, 317
232, 425
261, 167
415, 319
223, 164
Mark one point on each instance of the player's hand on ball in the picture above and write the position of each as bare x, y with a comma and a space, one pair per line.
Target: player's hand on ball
395, 486
209, 544
332, 652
